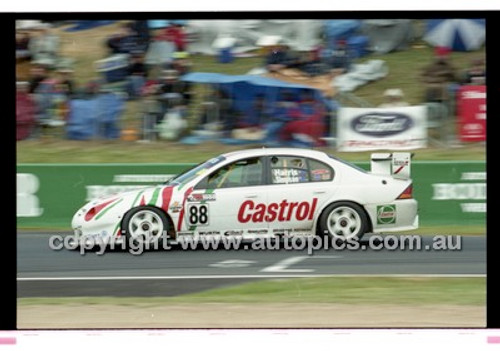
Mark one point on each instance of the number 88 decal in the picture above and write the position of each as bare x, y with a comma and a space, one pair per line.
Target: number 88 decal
198, 214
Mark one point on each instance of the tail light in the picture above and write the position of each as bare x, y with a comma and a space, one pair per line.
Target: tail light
407, 193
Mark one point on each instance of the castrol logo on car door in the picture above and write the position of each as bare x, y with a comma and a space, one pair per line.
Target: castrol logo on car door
284, 211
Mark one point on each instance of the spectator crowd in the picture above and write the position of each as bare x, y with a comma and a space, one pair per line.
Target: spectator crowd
148, 65
137, 65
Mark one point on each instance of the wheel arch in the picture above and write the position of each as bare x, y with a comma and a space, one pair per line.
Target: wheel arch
170, 222
328, 203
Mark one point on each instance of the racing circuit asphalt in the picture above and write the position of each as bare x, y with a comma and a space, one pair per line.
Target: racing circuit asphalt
43, 272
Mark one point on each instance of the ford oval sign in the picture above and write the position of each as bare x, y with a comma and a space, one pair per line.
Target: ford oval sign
381, 124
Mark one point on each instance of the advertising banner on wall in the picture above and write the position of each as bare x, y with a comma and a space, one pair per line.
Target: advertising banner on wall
395, 128
471, 108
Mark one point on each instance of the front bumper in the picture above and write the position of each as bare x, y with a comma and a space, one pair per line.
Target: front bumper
103, 228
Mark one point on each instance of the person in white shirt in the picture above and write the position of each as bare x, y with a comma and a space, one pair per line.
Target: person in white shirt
394, 98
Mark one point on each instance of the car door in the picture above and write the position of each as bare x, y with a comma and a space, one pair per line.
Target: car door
298, 188
225, 201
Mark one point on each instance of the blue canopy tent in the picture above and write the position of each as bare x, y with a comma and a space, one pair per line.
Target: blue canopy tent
339, 29
158, 24
456, 34
87, 24
243, 90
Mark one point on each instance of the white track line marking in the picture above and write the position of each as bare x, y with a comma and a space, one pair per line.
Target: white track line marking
232, 264
282, 266
250, 276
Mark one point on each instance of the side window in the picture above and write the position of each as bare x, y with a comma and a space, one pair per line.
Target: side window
247, 172
289, 169
319, 171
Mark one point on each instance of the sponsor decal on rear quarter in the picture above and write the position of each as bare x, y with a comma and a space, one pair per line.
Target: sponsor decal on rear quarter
386, 214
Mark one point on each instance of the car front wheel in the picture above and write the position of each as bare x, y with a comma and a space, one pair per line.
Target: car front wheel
144, 224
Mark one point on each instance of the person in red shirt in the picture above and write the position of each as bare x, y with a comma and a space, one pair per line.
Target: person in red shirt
175, 34
438, 75
284, 113
309, 123
25, 111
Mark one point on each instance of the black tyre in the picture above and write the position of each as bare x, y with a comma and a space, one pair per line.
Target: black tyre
144, 224
343, 220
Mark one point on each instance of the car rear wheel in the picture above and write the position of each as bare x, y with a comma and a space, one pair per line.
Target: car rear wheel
144, 224
343, 220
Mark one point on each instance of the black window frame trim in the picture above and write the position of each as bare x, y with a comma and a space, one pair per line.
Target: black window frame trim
307, 158
263, 176
266, 177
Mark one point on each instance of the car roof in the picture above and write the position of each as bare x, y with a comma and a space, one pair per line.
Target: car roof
274, 151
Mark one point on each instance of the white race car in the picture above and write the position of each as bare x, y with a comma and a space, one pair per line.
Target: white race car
268, 191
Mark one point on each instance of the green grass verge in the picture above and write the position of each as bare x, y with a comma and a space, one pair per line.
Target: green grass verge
405, 291
449, 230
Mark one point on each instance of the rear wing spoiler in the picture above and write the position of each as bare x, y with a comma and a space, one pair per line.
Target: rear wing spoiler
396, 164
